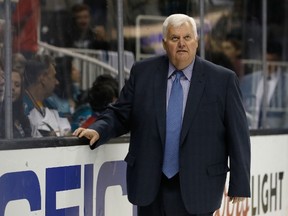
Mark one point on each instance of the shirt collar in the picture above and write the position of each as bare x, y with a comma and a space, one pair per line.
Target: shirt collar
186, 71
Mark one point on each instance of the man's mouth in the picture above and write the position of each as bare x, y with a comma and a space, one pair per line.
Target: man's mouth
181, 51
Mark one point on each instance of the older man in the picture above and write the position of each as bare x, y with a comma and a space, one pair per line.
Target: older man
186, 118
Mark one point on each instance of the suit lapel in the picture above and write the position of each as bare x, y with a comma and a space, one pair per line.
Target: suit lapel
160, 90
194, 96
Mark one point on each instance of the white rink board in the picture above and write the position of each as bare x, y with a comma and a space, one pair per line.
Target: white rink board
68, 181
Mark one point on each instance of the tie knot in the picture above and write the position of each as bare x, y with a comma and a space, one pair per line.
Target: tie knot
178, 74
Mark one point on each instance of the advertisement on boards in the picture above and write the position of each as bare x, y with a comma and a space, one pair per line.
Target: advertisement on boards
76, 181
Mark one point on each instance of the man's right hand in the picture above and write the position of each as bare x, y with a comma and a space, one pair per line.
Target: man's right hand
90, 134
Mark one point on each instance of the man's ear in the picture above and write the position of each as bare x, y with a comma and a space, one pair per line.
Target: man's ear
164, 44
42, 79
197, 39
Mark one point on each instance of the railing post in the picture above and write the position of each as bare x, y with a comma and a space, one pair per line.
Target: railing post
264, 62
7, 70
120, 43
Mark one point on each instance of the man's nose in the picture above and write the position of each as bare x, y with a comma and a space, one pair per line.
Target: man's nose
181, 42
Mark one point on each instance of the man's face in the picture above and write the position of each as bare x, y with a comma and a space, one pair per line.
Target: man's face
271, 57
16, 86
229, 50
82, 19
180, 45
50, 81
2, 85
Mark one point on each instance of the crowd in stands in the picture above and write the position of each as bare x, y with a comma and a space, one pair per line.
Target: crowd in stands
76, 26
36, 112
46, 94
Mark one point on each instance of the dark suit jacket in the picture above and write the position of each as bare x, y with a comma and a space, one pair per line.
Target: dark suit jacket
214, 127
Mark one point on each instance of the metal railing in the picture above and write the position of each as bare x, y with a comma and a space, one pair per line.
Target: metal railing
89, 62
256, 65
109, 57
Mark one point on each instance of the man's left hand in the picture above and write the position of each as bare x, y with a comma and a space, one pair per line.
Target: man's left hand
236, 199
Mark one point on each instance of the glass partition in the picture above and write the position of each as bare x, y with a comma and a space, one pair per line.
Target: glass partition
65, 56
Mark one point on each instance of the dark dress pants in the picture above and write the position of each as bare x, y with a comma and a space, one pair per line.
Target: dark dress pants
168, 201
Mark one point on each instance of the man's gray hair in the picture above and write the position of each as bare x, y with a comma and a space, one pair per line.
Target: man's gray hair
177, 20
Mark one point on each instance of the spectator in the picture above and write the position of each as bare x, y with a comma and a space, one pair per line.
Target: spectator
99, 97
231, 47
21, 125
213, 52
54, 18
231, 21
18, 62
276, 96
109, 80
103, 92
25, 24
40, 81
98, 11
81, 34
63, 93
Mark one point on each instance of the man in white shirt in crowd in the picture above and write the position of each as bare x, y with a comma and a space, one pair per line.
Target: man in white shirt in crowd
268, 95
40, 81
